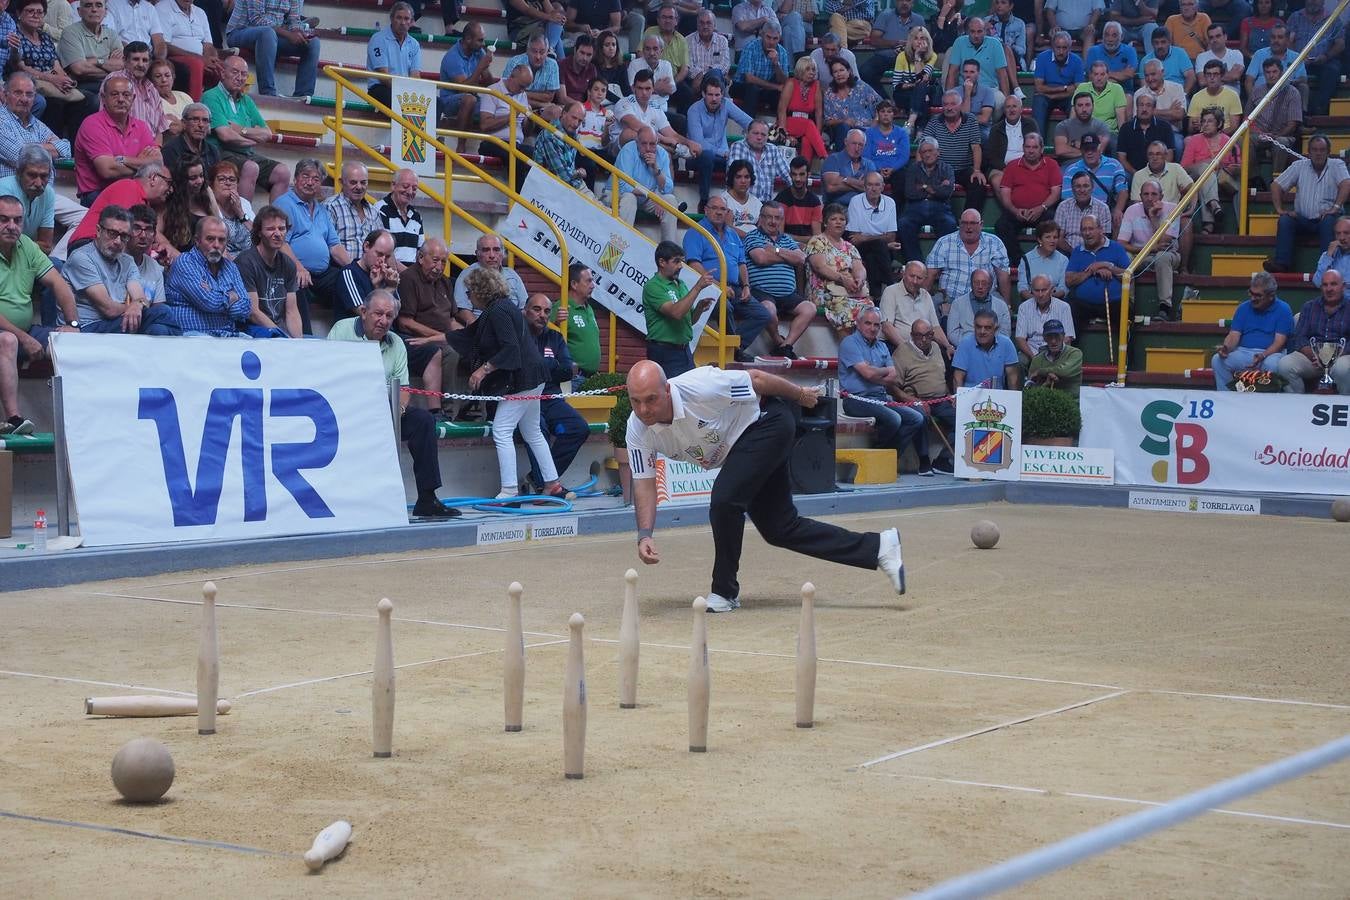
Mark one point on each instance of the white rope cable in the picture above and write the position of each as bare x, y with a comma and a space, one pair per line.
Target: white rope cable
1041, 862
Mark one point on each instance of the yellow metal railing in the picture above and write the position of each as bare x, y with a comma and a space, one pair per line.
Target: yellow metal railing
1240, 134
340, 123
351, 79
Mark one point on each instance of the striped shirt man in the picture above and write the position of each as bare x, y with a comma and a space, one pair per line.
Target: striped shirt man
777, 279
955, 147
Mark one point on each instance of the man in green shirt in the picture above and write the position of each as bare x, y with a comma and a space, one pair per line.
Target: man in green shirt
237, 128
23, 265
583, 335
1058, 365
671, 311
1109, 103
416, 427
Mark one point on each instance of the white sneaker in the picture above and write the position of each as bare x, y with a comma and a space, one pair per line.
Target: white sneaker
508, 494
888, 559
719, 604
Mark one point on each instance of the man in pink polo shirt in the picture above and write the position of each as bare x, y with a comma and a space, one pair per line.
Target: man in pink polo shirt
111, 144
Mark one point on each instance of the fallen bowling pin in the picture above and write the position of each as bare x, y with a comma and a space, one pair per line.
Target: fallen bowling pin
574, 702
382, 690
513, 661
328, 844
806, 659
208, 663
141, 706
628, 643
700, 679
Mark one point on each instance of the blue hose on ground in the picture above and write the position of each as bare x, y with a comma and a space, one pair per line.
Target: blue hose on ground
542, 504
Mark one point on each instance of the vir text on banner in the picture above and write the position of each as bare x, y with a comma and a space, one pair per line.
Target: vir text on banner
195, 438
621, 257
1218, 441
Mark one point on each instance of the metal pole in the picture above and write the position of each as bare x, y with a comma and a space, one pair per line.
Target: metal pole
62, 458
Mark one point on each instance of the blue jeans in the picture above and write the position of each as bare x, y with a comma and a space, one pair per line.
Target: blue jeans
155, 319
1290, 227
794, 33
707, 163
937, 213
266, 44
1239, 360
896, 426
1041, 106
749, 317
674, 359
1328, 80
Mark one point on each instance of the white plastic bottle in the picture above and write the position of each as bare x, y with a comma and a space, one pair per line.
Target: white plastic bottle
40, 531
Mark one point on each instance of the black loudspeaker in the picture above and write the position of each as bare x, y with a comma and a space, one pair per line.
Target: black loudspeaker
812, 461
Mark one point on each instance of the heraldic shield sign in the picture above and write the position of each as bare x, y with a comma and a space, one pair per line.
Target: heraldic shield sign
990, 426
415, 100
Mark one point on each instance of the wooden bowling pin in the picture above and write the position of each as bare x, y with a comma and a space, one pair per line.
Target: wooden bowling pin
382, 690
700, 680
328, 844
146, 706
208, 663
574, 702
628, 643
806, 659
513, 664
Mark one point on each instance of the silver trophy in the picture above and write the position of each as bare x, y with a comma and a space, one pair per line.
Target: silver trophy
1326, 353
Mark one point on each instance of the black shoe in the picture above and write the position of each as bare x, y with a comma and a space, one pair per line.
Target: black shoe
1165, 313
434, 509
1275, 268
944, 465
925, 469
742, 357
787, 351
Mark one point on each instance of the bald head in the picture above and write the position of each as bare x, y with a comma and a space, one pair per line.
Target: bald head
649, 393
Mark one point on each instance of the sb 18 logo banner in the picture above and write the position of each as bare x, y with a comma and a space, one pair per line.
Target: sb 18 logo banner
1223, 441
174, 439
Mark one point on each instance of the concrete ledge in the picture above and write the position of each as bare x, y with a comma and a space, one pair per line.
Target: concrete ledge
22, 571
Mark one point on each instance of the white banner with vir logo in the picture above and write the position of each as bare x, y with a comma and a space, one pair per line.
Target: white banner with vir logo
1223, 441
196, 438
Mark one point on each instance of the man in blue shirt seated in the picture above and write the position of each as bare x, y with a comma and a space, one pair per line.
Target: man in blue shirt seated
843, 171
750, 317
708, 129
1258, 333
986, 358
647, 162
206, 293
467, 62
563, 427
313, 240
393, 51
1093, 276
866, 370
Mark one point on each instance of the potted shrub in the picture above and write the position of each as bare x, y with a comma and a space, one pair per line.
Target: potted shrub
1050, 416
618, 425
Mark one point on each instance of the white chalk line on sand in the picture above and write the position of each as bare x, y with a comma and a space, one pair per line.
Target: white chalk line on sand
466, 552
118, 684
986, 730
131, 832
971, 674
1292, 820
411, 665
313, 612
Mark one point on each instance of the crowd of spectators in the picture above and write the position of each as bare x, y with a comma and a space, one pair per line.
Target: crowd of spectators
844, 162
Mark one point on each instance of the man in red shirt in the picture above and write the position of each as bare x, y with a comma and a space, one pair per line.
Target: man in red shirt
150, 186
110, 143
1028, 193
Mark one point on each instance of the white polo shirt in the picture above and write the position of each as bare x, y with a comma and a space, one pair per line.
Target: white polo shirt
712, 408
